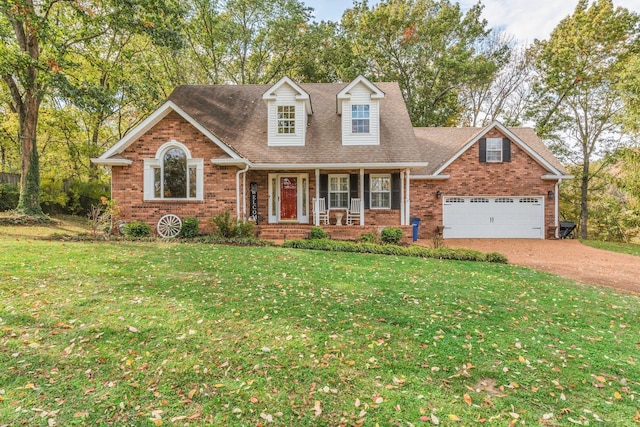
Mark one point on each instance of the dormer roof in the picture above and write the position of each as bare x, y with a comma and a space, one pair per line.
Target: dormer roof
301, 94
345, 93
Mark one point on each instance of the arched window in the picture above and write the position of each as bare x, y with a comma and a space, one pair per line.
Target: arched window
173, 174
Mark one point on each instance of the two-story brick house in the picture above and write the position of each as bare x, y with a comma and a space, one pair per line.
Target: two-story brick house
292, 155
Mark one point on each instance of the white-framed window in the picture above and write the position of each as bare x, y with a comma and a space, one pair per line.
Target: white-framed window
494, 149
338, 191
380, 189
286, 119
173, 174
360, 118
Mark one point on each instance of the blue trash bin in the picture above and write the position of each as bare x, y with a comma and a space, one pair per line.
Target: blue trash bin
415, 222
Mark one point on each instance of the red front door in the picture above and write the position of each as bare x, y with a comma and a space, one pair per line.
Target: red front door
288, 198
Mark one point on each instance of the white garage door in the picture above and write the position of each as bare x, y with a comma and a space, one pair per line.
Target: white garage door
493, 217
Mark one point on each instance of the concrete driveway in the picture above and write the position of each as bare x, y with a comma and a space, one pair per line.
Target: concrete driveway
567, 258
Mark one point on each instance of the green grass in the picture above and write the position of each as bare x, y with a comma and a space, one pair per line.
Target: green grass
147, 333
624, 248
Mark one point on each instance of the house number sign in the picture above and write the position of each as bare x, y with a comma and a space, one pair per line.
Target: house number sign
253, 201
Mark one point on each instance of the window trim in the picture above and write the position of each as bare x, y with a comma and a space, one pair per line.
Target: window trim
151, 165
498, 142
367, 119
329, 191
372, 177
290, 120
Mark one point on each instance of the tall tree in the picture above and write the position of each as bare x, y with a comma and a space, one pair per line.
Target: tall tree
505, 96
429, 46
245, 41
575, 91
38, 39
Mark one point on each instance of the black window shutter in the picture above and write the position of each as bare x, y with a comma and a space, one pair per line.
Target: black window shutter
483, 149
506, 150
395, 191
324, 187
366, 191
353, 186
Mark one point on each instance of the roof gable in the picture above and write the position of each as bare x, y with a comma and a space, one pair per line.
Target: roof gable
547, 161
149, 123
345, 93
301, 94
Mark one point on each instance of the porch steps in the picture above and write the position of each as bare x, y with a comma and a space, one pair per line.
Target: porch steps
283, 233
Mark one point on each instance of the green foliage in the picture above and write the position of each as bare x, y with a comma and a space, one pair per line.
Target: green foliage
387, 249
415, 335
391, 235
370, 237
137, 229
429, 47
318, 233
614, 213
623, 248
190, 227
576, 99
74, 197
227, 227
9, 195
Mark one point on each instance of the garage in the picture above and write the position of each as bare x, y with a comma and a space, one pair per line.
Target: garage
493, 217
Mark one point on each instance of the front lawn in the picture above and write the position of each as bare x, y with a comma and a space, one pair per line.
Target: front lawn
131, 333
624, 248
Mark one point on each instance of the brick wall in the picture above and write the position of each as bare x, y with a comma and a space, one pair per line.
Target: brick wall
128, 186
470, 177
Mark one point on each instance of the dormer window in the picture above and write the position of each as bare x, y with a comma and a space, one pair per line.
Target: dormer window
288, 109
360, 118
359, 104
286, 119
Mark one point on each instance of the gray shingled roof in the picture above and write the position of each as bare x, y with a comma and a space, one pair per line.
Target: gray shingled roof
442, 143
237, 115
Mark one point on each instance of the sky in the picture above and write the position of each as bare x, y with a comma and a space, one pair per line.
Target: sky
519, 18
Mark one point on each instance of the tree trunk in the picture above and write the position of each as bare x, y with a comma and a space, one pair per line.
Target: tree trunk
584, 207
29, 202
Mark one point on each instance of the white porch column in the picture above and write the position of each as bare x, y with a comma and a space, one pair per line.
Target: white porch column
408, 199
316, 214
402, 203
361, 197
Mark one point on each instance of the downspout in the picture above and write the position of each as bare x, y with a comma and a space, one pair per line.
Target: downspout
244, 195
246, 168
557, 208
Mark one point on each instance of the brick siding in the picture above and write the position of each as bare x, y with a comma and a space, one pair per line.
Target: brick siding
470, 177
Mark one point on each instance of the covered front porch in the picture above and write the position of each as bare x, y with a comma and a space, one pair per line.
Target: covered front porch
327, 197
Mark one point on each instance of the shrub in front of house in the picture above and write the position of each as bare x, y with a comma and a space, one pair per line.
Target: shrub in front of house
318, 233
230, 228
190, 227
370, 237
391, 235
413, 251
137, 229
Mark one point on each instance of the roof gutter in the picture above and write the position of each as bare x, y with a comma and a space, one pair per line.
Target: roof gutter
431, 177
305, 166
556, 177
111, 162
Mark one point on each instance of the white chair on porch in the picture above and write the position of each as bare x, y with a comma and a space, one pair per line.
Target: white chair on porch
354, 212
320, 209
